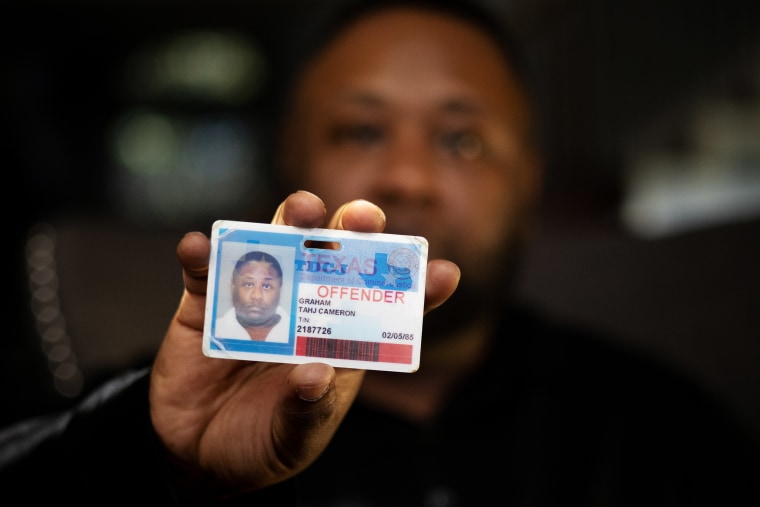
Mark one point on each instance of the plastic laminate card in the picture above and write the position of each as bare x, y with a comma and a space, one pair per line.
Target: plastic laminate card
286, 294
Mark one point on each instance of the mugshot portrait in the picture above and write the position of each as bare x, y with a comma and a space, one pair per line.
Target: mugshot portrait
254, 292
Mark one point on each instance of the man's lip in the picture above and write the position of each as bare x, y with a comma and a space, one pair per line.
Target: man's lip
406, 227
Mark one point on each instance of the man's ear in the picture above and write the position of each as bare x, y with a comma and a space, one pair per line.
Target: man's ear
531, 183
532, 176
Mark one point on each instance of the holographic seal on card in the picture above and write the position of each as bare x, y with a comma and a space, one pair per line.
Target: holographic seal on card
286, 294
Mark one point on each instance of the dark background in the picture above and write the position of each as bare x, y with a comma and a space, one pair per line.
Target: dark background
615, 79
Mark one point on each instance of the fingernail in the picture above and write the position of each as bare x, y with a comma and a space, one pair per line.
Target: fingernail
314, 393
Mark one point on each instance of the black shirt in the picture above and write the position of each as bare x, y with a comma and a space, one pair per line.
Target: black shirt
555, 417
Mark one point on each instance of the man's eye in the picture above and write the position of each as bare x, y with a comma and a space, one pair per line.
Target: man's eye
363, 134
463, 144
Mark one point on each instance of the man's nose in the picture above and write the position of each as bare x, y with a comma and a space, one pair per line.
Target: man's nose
256, 292
410, 165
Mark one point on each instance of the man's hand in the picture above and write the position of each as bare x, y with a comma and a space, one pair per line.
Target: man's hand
247, 425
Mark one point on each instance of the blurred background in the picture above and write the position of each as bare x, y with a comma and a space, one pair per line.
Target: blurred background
126, 124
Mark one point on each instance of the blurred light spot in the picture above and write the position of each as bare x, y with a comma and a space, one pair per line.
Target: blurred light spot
174, 170
146, 143
711, 177
59, 353
208, 65
66, 371
43, 275
186, 149
68, 379
53, 334
47, 314
43, 285
45, 294
669, 196
38, 257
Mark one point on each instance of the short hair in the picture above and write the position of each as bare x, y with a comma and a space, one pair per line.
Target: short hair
256, 256
340, 15
321, 28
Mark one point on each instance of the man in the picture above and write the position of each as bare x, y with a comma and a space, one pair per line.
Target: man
412, 117
256, 313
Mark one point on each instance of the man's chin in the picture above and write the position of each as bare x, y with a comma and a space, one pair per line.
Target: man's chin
251, 321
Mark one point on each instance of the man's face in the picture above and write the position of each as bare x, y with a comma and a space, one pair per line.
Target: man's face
417, 113
256, 293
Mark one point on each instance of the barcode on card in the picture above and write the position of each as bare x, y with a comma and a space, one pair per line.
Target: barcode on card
353, 350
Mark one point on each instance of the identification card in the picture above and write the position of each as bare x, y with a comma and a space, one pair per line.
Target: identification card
287, 294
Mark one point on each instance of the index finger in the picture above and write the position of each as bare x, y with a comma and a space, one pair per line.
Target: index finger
360, 216
300, 209
193, 253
